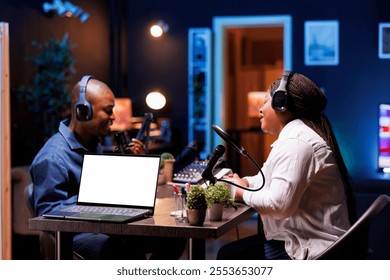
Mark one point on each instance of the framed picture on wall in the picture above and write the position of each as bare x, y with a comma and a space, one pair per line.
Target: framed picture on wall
384, 40
384, 138
322, 42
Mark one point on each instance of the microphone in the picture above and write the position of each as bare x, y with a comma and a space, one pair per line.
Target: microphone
207, 173
122, 143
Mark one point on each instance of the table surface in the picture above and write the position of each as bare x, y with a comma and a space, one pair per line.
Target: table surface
160, 224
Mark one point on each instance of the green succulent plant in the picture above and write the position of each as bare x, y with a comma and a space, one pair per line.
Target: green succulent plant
165, 156
219, 193
196, 198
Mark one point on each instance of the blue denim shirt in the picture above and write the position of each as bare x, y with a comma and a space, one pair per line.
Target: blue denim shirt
55, 171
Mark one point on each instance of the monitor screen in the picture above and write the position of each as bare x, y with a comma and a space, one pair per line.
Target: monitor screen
384, 138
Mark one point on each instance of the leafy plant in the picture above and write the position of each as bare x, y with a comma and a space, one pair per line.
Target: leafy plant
219, 193
196, 198
48, 96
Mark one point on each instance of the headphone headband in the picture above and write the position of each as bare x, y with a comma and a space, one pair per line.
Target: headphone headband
285, 79
84, 81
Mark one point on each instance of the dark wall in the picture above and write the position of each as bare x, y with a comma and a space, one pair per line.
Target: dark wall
354, 88
27, 23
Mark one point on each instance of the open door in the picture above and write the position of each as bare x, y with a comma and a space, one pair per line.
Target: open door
249, 53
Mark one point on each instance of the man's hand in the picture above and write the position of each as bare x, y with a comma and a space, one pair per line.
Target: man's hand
136, 146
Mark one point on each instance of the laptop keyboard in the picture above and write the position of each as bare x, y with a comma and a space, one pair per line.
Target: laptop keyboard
106, 210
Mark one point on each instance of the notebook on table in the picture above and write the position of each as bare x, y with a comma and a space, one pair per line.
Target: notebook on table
114, 188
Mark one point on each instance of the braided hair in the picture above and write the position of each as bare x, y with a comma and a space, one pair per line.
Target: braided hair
307, 102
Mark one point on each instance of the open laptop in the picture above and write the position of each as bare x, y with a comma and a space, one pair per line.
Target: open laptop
114, 188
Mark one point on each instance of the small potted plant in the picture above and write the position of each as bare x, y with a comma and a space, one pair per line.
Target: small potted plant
218, 196
196, 205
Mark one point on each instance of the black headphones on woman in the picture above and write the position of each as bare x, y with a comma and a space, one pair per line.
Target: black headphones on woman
280, 95
83, 108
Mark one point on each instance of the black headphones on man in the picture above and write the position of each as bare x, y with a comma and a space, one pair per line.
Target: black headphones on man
83, 108
280, 95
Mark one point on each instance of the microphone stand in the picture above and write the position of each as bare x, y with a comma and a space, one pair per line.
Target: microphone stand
143, 135
242, 151
144, 132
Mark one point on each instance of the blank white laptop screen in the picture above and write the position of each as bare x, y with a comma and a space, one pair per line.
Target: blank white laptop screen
119, 179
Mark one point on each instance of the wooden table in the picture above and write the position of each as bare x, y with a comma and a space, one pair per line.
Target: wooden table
160, 224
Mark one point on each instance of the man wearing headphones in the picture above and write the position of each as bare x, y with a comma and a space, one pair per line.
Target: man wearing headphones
55, 174
307, 202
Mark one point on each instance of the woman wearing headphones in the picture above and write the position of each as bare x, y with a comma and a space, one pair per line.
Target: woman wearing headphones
307, 202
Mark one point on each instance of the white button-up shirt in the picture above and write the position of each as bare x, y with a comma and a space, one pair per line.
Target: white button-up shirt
303, 201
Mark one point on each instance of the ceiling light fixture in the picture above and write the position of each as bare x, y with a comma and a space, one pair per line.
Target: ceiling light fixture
65, 9
159, 28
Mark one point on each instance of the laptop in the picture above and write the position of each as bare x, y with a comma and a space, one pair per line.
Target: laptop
114, 188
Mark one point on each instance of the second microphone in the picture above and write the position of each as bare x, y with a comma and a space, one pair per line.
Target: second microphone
207, 174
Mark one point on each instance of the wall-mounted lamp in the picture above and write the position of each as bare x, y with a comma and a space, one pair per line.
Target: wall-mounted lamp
156, 100
65, 9
159, 28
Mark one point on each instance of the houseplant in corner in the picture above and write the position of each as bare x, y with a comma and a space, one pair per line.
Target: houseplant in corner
48, 96
196, 205
218, 196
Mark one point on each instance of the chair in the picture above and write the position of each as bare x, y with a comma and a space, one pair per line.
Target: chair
21, 212
46, 239
353, 245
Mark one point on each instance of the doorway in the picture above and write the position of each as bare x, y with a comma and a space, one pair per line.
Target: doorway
249, 53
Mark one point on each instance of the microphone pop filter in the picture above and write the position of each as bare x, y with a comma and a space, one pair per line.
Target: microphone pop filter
229, 139
242, 151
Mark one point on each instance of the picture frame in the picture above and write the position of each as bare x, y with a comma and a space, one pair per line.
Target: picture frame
384, 138
322, 42
384, 40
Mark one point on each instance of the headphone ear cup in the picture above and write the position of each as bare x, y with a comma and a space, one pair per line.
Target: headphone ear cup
280, 101
280, 97
83, 112
83, 108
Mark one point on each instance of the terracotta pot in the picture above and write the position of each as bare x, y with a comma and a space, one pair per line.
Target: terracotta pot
168, 169
216, 212
196, 217
161, 179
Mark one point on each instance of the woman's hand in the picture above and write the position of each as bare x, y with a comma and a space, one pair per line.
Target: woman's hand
241, 182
